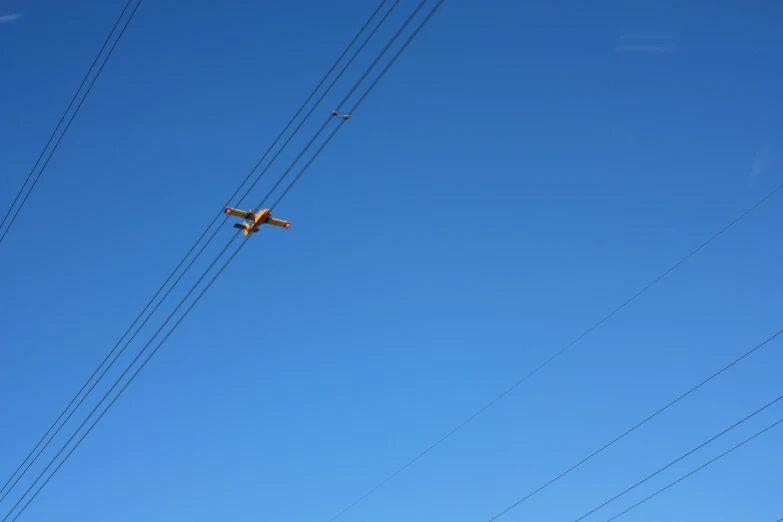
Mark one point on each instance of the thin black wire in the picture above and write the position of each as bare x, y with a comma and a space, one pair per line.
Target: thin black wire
697, 469
105, 43
118, 381
672, 403
672, 463
556, 355
75, 112
177, 323
192, 248
62, 119
383, 52
307, 117
364, 96
344, 100
111, 364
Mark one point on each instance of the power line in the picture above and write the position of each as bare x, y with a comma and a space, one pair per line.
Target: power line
556, 355
54, 132
697, 469
177, 323
144, 363
680, 458
366, 92
182, 262
349, 94
323, 95
65, 130
645, 421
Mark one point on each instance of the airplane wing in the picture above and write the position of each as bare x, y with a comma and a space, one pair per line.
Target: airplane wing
278, 222
239, 213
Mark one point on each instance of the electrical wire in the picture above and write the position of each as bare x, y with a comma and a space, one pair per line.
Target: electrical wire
345, 99
144, 363
62, 119
182, 262
65, 130
695, 470
555, 356
366, 92
177, 323
640, 424
672, 463
334, 81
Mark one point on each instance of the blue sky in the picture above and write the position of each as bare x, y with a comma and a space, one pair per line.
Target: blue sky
517, 175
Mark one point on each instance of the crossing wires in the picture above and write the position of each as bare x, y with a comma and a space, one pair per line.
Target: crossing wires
29, 492
8, 214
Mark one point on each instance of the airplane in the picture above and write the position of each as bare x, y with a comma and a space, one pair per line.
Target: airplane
262, 217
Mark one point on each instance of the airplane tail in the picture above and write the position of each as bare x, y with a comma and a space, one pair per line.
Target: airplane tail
242, 226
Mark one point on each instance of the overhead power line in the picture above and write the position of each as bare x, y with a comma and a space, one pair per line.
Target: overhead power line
323, 95
68, 125
695, 470
187, 311
363, 96
675, 461
640, 424
350, 93
35, 453
554, 356
106, 395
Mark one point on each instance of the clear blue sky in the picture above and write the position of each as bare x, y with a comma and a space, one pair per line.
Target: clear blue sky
520, 172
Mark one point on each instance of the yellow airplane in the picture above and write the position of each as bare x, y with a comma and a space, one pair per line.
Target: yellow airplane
256, 219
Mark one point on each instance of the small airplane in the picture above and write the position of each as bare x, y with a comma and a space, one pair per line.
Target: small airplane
262, 217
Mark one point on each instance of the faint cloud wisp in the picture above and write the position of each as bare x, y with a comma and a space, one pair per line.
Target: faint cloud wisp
646, 48
10, 17
656, 31
661, 38
759, 163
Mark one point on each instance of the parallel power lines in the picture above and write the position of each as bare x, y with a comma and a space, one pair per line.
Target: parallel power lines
100, 372
25, 191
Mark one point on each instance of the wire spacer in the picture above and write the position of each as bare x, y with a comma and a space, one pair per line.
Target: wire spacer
341, 114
